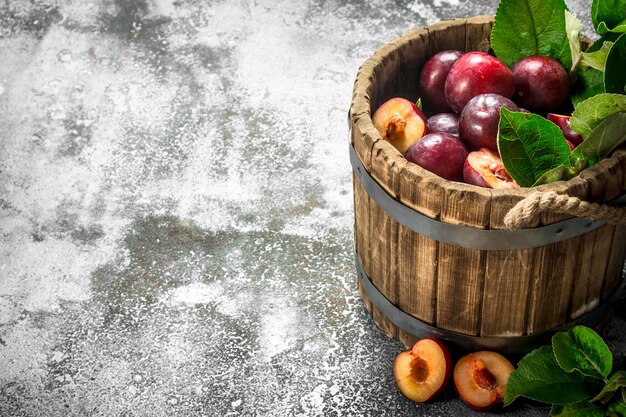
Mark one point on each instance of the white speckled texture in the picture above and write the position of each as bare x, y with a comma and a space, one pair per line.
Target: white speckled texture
176, 209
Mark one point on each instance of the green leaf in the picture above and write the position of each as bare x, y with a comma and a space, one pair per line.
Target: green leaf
608, 15
581, 409
573, 27
615, 73
607, 136
618, 406
530, 27
607, 37
616, 382
583, 350
589, 113
596, 59
590, 83
553, 175
529, 145
539, 377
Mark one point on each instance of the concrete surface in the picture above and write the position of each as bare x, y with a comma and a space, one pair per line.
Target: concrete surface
176, 209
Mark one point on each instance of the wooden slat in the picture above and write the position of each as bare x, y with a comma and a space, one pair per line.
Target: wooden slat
447, 35
556, 268
361, 226
477, 31
507, 276
387, 163
605, 182
414, 49
594, 257
461, 271
418, 255
615, 266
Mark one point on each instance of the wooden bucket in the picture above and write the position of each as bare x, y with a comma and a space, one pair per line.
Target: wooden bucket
434, 258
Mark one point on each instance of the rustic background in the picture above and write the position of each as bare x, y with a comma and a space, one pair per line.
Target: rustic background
176, 209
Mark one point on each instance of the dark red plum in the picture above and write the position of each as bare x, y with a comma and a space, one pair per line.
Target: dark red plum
443, 122
433, 79
440, 153
477, 73
478, 124
541, 84
563, 122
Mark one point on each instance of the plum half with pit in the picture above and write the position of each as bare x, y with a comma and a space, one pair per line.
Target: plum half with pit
478, 124
484, 168
443, 122
481, 379
541, 83
477, 73
400, 122
433, 79
440, 153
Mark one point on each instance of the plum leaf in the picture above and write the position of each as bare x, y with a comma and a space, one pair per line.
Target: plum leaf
531, 27
539, 377
589, 113
582, 350
529, 146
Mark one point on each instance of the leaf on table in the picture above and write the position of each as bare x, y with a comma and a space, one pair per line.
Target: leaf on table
589, 113
530, 27
581, 409
617, 382
529, 146
539, 377
618, 406
582, 350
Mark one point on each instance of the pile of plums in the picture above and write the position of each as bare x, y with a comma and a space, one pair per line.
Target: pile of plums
464, 92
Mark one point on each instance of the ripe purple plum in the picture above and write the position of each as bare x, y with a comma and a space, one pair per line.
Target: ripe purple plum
444, 122
541, 83
440, 153
478, 124
563, 122
433, 79
477, 73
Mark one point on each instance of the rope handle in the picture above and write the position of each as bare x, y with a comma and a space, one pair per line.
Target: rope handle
523, 213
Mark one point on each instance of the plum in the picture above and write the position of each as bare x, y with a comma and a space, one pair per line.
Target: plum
400, 122
480, 378
563, 122
443, 122
484, 168
424, 371
478, 124
433, 79
440, 153
477, 73
541, 83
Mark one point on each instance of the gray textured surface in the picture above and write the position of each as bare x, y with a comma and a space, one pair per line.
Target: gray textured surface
176, 209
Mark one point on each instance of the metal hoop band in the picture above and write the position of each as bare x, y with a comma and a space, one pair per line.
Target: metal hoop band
513, 344
469, 237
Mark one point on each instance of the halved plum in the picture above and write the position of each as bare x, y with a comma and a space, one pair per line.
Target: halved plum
424, 371
400, 122
484, 168
480, 378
